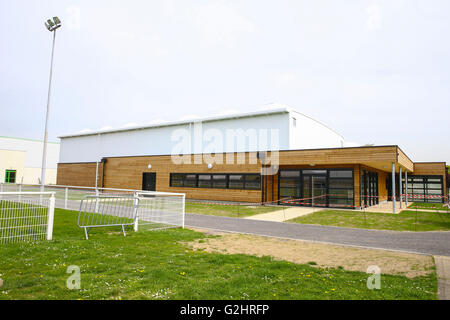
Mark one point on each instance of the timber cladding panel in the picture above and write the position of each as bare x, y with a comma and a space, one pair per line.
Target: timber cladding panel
79, 174
127, 173
343, 155
431, 169
404, 160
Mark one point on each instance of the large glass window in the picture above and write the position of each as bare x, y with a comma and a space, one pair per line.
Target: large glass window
333, 187
340, 188
248, 181
423, 186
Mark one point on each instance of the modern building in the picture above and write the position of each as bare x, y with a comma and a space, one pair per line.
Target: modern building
270, 155
21, 160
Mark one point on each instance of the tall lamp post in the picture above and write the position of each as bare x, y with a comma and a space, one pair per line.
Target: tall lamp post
52, 26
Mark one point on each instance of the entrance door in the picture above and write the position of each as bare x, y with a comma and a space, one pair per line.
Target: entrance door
315, 187
149, 181
319, 190
370, 188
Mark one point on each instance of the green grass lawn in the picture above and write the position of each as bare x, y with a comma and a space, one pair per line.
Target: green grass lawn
404, 221
227, 210
430, 206
159, 265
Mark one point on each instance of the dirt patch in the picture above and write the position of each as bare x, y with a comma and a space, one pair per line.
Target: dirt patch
317, 254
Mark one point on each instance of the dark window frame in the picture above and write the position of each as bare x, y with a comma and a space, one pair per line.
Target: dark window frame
183, 175
308, 173
8, 175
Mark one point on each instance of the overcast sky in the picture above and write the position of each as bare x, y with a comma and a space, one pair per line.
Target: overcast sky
375, 71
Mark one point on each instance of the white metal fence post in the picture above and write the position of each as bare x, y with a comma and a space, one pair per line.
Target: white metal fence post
183, 202
20, 190
66, 197
96, 200
400, 186
136, 213
51, 215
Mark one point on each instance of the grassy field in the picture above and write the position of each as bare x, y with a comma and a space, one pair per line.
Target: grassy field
161, 265
430, 206
404, 221
239, 211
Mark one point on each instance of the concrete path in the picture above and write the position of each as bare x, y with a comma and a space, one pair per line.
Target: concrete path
443, 274
284, 214
432, 243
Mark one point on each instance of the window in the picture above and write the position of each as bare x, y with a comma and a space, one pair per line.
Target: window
236, 181
314, 171
176, 179
425, 186
290, 174
340, 188
220, 180
252, 181
204, 181
190, 180
10, 176
341, 174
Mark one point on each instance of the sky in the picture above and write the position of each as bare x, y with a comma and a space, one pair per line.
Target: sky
376, 71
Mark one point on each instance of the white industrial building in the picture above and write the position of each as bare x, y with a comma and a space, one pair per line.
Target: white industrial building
285, 129
21, 160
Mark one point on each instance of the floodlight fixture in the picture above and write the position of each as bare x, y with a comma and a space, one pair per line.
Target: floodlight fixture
54, 24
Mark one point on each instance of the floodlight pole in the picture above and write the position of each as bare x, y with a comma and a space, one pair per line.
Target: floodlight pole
44, 151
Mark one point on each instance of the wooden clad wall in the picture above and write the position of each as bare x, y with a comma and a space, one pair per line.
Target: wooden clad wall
78, 174
127, 173
404, 160
342, 155
429, 168
432, 168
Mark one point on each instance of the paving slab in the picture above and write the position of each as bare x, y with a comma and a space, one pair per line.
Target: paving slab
284, 214
443, 274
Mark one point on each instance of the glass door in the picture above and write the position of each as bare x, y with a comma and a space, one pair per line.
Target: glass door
315, 190
370, 188
319, 190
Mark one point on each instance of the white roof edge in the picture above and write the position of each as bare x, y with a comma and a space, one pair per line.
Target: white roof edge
279, 109
306, 116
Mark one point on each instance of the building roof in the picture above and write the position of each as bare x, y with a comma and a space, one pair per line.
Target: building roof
276, 108
26, 139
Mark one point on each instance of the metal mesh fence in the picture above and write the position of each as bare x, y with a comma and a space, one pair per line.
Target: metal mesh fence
26, 216
160, 211
107, 211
